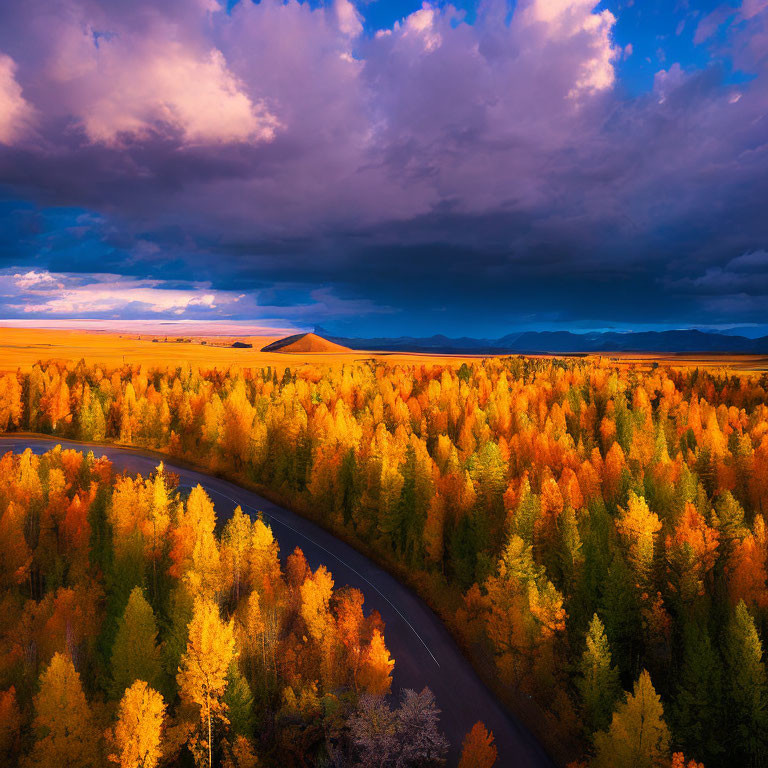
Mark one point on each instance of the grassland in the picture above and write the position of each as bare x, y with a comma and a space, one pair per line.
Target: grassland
21, 348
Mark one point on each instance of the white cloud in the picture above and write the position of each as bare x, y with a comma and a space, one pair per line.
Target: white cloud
57, 295
67, 294
35, 279
350, 20
15, 112
422, 24
132, 84
576, 20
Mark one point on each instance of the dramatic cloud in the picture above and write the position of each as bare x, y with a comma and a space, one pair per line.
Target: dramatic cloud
493, 161
42, 294
15, 113
34, 293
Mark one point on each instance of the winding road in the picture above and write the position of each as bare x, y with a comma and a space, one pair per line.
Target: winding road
425, 653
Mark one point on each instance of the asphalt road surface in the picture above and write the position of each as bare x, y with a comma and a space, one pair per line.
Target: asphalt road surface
425, 653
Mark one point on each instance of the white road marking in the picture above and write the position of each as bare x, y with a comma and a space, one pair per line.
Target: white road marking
332, 554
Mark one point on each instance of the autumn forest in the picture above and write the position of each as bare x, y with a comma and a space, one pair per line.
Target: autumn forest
591, 532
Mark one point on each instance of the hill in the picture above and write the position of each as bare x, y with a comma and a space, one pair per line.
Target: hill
566, 342
303, 343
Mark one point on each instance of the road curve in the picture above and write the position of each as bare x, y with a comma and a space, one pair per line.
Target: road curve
425, 653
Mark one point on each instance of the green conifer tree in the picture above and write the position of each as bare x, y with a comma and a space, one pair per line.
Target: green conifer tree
135, 654
239, 702
696, 713
747, 689
598, 680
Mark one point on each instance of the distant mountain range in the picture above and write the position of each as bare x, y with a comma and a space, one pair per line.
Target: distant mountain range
565, 342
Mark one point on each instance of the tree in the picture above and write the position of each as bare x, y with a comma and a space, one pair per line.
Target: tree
406, 738
420, 740
257, 653
620, 605
202, 675
373, 732
135, 654
316, 594
10, 723
264, 562
239, 703
10, 402
747, 687
138, 731
63, 724
376, 671
638, 527
691, 554
434, 531
195, 551
638, 737
156, 527
598, 680
15, 555
526, 513
478, 749
243, 754
235, 543
697, 713
678, 761
525, 615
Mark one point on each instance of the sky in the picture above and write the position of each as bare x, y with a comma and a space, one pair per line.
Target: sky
385, 167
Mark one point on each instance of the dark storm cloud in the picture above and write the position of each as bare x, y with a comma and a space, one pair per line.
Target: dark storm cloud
494, 172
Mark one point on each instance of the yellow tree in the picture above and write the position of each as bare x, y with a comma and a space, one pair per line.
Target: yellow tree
525, 615
638, 527
235, 545
252, 639
138, 732
15, 555
195, 552
376, 670
238, 419
264, 563
63, 724
316, 592
638, 737
159, 520
202, 676
10, 402
349, 626
434, 530
129, 516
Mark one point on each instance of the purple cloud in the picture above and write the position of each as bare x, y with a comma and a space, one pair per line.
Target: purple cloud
283, 143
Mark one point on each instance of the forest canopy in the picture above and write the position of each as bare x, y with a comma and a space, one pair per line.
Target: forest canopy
593, 530
137, 632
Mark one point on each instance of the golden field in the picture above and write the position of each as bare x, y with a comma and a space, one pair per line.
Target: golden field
21, 348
